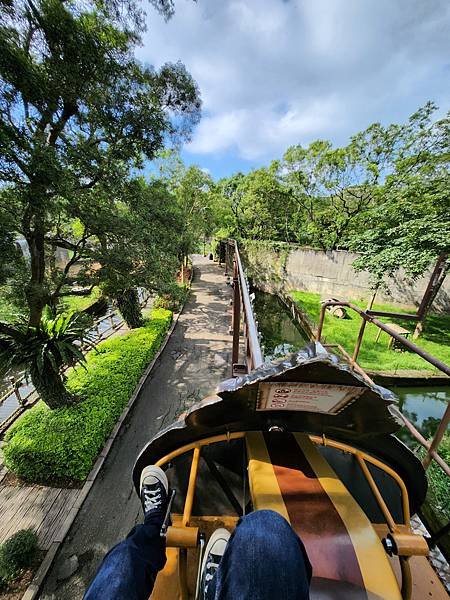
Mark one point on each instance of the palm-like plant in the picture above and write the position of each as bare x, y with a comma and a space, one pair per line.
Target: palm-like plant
43, 351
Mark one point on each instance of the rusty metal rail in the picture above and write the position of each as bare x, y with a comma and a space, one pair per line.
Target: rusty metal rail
242, 314
368, 317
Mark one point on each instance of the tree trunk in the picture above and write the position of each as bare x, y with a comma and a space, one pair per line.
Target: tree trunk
129, 307
36, 293
434, 285
50, 387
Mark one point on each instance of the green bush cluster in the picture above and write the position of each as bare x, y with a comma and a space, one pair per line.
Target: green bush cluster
438, 496
174, 298
17, 553
50, 445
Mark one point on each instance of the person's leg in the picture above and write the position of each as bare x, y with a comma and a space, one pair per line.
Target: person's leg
129, 570
264, 559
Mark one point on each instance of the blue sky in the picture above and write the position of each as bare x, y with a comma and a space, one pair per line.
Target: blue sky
273, 73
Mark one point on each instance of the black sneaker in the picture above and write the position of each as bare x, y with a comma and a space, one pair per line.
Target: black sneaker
213, 555
154, 490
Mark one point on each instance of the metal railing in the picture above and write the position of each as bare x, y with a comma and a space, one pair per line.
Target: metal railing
242, 300
369, 317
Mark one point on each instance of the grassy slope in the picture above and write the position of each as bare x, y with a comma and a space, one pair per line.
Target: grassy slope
8, 313
80, 302
376, 356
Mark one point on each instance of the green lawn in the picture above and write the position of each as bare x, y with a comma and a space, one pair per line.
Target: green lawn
9, 313
435, 338
80, 302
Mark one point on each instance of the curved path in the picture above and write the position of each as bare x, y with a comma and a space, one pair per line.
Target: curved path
196, 358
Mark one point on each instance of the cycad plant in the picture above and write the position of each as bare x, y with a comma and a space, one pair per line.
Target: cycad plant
43, 351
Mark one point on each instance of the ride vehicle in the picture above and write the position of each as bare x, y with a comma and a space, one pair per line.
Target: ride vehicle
313, 439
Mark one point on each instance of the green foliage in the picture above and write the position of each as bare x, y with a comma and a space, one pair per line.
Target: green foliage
62, 444
173, 297
129, 307
409, 226
438, 483
79, 114
436, 508
42, 351
384, 195
17, 553
136, 239
196, 198
376, 356
261, 207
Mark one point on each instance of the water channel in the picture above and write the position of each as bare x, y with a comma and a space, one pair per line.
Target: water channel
424, 406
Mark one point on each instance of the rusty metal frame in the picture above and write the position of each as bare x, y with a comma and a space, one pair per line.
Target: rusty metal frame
367, 317
242, 306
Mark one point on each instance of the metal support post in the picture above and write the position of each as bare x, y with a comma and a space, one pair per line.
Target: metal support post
442, 428
359, 340
16, 390
236, 322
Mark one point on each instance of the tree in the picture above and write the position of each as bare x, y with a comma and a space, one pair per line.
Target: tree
262, 207
42, 352
134, 243
409, 227
332, 188
77, 110
195, 193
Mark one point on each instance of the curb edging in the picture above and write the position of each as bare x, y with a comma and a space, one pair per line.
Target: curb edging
34, 588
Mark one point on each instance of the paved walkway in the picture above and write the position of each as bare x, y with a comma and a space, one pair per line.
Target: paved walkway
195, 359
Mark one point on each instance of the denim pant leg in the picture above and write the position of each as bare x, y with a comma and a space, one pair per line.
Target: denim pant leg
264, 559
129, 570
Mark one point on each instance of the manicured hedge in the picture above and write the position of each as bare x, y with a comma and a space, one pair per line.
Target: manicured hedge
49, 445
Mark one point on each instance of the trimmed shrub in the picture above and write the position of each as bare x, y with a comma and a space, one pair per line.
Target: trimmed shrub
17, 553
173, 298
53, 445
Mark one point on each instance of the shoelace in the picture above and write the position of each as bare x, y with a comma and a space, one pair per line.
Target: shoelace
210, 565
152, 499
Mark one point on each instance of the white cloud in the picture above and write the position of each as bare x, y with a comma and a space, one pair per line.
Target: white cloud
277, 72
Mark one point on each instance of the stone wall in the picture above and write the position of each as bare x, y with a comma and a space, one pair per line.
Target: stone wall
282, 267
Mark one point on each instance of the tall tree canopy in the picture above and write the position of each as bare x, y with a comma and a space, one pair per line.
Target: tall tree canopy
77, 112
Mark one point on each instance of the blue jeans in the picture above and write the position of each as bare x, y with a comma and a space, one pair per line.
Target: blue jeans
264, 559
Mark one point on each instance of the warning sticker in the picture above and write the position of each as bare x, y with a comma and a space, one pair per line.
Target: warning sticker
309, 397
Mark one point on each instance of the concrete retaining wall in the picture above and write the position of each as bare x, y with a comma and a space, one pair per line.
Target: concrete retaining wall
283, 268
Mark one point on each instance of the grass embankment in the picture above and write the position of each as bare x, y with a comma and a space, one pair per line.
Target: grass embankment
9, 313
376, 356
80, 303
52, 445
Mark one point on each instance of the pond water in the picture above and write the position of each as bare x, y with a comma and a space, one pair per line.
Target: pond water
280, 335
